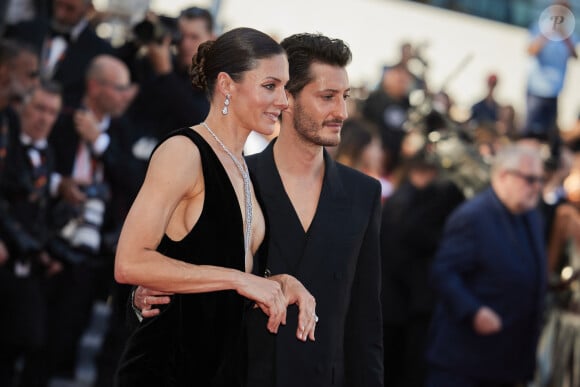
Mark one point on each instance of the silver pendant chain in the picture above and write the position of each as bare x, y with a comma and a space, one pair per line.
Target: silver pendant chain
243, 168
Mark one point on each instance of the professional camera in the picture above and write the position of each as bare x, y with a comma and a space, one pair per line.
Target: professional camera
83, 232
147, 31
454, 147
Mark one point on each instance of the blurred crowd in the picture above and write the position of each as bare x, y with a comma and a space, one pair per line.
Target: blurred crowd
79, 119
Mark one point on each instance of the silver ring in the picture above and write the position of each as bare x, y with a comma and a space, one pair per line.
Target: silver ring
315, 318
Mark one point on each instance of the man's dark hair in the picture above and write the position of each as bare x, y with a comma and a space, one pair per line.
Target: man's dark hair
192, 13
305, 49
48, 86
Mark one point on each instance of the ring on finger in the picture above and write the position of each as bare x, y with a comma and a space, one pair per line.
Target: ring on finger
315, 317
145, 300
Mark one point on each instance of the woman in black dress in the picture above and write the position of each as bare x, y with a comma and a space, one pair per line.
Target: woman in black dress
196, 228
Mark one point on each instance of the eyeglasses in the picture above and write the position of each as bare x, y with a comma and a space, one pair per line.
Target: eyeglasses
530, 179
116, 87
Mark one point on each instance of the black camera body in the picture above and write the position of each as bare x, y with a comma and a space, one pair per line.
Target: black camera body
147, 32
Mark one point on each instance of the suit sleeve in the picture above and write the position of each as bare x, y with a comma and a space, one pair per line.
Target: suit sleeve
455, 258
364, 327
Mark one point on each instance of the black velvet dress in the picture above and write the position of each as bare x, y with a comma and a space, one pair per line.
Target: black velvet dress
198, 339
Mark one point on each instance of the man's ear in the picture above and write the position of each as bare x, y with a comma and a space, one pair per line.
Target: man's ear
291, 101
92, 85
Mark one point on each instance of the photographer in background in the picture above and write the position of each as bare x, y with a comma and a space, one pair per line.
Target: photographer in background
167, 100
26, 186
93, 158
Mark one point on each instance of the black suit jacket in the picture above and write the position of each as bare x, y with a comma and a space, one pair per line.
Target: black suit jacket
24, 209
338, 261
411, 228
25, 227
70, 70
166, 102
29, 31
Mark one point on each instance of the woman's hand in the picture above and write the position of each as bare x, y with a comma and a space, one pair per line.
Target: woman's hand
268, 296
296, 293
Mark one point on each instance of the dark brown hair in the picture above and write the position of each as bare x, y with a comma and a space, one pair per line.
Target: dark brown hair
305, 49
234, 53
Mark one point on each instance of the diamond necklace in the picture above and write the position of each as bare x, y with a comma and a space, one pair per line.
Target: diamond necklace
247, 187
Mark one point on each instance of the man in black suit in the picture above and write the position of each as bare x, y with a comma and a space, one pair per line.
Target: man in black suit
323, 224
69, 45
167, 99
26, 188
412, 223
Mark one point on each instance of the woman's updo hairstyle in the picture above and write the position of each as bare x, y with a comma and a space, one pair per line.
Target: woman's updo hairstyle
234, 53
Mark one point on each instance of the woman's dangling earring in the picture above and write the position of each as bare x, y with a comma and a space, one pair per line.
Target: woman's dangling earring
226, 104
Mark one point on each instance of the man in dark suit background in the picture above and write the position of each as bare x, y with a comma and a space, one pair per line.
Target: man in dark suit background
411, 228
490, 277
26, 191
66, 44
92, 156
24, 19
323, 224
167, 99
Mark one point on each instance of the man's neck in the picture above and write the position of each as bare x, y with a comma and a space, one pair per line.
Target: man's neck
504, 197
301, 168
294, 156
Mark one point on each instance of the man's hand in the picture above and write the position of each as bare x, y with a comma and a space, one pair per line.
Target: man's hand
486, 321
51, 265
86, 125
145, 299
70, 191
296, 293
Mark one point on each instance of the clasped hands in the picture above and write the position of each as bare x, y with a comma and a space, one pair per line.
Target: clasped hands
272, 295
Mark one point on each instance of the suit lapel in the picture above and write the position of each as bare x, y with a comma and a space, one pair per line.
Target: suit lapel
285, 231
330, 221
534, 230
506, 225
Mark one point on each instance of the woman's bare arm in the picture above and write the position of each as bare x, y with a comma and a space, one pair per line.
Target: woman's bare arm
173, 180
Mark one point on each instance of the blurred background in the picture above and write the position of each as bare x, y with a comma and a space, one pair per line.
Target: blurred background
437, 88
460, 41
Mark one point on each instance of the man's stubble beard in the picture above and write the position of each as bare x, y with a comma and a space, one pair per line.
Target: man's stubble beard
309, 130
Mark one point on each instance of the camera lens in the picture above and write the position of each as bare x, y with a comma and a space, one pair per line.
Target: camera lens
147, 32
